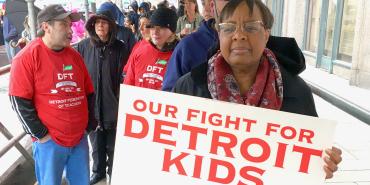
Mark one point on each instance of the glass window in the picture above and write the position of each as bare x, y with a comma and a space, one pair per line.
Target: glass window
347, 31
330, 28
269, 4
313, 25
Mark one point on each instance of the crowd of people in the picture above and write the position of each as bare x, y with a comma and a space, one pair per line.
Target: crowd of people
64, 93
10, 34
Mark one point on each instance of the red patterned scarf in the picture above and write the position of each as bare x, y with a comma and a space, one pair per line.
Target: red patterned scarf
266, 92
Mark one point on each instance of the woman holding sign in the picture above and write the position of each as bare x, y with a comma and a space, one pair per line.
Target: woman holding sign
244, 71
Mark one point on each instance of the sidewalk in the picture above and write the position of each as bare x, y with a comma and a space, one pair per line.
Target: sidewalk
338, 86
9, 119
3, 57
352, 135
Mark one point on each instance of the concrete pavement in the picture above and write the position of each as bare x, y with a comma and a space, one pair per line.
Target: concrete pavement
352, 135
3, 57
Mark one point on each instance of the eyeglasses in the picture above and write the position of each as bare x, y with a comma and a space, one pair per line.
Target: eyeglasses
249, 27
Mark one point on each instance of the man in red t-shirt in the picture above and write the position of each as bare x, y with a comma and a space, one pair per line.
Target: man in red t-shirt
50, 90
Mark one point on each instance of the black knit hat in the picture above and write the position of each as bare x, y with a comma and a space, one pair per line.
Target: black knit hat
164, 17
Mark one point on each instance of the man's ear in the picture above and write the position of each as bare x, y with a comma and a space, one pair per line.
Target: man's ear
45, 26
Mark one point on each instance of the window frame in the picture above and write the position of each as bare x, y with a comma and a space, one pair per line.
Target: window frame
322, 35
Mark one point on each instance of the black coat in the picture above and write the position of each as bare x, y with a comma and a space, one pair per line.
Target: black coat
126, 36
297, 96
105, 65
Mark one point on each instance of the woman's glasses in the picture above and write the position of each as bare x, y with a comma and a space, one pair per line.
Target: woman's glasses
249, 27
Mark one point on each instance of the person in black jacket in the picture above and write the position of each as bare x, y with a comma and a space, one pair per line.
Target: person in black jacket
104, 56
244, 71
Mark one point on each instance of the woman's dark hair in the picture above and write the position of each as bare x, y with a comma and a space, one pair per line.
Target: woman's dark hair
150, 4
144, 6
229, 9
163, 4
133, 18
130, 19
173, 8
146, 15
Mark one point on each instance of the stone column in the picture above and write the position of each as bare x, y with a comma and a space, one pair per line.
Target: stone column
360, 71
32, 18
293, 23
86, 4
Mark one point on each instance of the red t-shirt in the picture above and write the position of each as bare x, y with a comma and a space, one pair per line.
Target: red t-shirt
146, 66
137, 45
58, 84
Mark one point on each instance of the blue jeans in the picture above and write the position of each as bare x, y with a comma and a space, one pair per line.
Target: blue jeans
52, 159
10, 51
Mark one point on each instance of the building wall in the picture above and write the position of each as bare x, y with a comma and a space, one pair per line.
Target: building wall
293, 23
342, 72
360, 72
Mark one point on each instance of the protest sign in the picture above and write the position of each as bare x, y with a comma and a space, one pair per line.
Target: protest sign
166, 138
